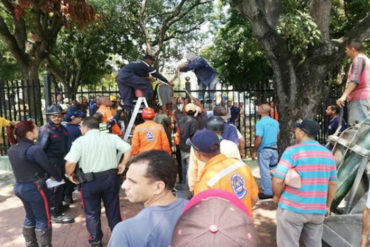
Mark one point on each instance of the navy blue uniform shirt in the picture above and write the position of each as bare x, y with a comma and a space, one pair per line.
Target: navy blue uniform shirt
27, 160
74, 132
53, 140
141, 69
333, 125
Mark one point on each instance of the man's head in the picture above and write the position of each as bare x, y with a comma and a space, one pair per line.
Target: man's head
307, 129
264, 110
105, 100
149, 59
150, 175
191, 56
89, 123
148, 113
206, 144
55, 114
191, 109
216, 124
332, 110
74, 117
353, 48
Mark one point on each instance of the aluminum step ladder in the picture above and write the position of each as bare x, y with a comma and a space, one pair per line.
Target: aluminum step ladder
140, 100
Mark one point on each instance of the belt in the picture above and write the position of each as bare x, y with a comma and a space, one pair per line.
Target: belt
273, 148
98, 174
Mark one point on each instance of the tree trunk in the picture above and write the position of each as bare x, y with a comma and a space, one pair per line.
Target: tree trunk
32, 93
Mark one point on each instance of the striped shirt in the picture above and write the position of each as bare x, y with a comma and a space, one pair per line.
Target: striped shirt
316, 166
359, 73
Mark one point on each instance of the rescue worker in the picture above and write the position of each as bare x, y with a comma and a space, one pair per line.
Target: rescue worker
228, 148
96, 154
137, 75
31, 168
220, 172
53, 139
149, 135
107, 115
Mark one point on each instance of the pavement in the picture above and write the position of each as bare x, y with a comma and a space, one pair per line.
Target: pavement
75, 235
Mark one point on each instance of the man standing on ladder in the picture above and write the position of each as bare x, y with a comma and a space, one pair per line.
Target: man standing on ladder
137, 75
357, 91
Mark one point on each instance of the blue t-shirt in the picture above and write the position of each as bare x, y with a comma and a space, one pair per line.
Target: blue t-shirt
153, 227
333, 125
230, 133
268, 129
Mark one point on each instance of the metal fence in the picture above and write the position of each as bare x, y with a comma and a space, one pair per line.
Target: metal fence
14, 107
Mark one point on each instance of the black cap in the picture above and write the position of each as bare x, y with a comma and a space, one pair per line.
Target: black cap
309, 126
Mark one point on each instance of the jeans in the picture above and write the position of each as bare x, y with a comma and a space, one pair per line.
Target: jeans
212, 86
358, 110
184, 166
35, 204
267, 158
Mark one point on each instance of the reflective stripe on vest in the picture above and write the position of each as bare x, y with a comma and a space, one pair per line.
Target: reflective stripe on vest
224, 172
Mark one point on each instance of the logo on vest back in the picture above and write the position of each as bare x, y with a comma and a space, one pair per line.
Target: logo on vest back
149, 135
238, 186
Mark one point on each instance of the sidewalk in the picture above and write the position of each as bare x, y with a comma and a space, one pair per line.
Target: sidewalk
75, 235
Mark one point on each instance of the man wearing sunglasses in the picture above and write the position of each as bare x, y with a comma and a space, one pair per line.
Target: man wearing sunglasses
53, 139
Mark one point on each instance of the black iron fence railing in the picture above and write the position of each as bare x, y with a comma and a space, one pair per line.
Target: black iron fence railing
21, 100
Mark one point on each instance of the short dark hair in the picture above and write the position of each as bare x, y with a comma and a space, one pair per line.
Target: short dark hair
161, 166
334, 108
148, 57
356, 44
219, 110
90, 122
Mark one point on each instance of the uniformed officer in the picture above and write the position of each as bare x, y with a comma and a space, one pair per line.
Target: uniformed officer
220, 172
53, 139
149, 135
31, 168
96, 154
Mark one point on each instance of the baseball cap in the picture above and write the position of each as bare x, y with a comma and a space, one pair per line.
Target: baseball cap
70, 115
309, 126
191, 107
214, 218
205, 141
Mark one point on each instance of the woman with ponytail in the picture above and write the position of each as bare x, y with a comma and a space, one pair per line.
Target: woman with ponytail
31, 168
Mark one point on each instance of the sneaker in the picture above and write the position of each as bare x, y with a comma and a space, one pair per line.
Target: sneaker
262, 196
62, 219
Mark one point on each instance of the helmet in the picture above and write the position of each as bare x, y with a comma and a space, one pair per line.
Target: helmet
54, 109
148, 113
216, 124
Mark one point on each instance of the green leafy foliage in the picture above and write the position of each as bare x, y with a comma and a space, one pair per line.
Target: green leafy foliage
237, 56
299, 30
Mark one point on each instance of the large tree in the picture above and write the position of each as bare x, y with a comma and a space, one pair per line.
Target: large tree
163, 21
83, 57
30, 29
303, 46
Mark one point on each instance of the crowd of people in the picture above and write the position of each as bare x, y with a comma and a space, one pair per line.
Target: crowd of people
177, 141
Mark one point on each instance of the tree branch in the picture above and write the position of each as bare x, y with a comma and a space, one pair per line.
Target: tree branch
10, 40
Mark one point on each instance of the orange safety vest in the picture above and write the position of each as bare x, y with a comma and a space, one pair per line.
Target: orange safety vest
107, 116
148, 136
230, 175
